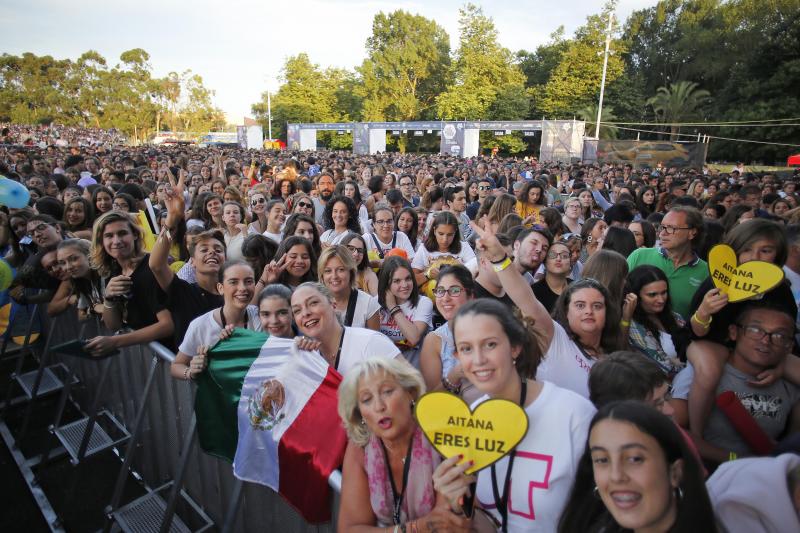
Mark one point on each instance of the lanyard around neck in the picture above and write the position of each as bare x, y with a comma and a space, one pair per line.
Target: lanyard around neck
501, 502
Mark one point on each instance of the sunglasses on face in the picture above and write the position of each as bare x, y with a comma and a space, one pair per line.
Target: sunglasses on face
305, 205
255, 201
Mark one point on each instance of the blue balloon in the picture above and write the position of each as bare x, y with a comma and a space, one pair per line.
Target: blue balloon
13, 194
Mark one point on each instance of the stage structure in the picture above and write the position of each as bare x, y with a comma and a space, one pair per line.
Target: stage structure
562, 140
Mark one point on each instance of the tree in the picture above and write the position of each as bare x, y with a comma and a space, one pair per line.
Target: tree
483, 70
681, 102
575, 81
306, 94
408, 57
589, 114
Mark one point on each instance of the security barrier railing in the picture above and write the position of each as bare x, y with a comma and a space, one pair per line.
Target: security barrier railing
165, 422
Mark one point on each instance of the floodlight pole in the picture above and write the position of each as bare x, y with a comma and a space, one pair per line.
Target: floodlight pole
269, 114
603, 79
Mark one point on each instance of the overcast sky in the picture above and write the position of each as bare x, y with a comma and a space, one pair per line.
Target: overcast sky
239, 46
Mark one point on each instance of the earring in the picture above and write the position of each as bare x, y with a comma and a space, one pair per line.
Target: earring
413, 404
596, 492
679, 493
363, 422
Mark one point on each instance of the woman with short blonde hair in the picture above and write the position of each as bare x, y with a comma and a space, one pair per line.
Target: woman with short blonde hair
337, 271
376, 405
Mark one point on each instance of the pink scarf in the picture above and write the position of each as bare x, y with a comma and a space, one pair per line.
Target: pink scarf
419, 496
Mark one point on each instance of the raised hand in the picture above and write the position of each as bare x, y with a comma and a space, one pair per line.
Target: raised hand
273, 269
118, 286
174, 201
487, 240
629, 306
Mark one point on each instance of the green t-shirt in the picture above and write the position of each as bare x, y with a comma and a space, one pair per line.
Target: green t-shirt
683, 281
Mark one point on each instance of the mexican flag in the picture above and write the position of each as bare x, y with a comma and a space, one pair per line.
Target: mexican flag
271, 410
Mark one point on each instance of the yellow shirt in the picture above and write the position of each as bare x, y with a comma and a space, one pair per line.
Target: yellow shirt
525, 210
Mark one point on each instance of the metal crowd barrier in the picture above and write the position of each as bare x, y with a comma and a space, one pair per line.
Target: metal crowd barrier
166, 425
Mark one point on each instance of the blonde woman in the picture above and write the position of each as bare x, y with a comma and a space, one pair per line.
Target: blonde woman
337, 271
376, 404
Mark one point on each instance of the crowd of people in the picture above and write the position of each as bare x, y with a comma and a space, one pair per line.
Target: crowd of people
579, 291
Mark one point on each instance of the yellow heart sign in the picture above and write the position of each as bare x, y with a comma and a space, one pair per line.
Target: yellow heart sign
741, 282
483, 436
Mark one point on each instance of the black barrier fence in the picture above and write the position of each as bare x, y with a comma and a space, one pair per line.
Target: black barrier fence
131, 398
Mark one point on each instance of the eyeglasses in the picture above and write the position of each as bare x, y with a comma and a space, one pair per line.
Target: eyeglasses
355, 249
254, 202
305, 205
562, 255
406, 184
455, 290
669, 230
384, 222
776, 338
41, 227
484, 187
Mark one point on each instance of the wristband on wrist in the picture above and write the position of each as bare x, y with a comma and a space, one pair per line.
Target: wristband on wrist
186, 376
732, 456
451, 387
502, 265
112, 306
700, 322
499, 260
624, 323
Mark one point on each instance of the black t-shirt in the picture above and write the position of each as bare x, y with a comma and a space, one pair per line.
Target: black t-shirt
187, 301
480, 292
146, 299
545, 294
781, 297
472, 209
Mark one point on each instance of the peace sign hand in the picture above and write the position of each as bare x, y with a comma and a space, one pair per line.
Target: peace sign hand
273, 269
487, 241
174, 201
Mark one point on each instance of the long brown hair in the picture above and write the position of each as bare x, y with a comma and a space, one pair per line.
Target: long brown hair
100, 260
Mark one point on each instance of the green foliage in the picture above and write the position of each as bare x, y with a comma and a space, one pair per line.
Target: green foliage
483, 71
408, 57
680, 102
575, 81
308, 94
589, 114
87, 92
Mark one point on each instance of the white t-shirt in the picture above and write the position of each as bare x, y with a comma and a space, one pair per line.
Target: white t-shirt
277, 237
401, 241
331, 237
233, 246
565, 364
423, 312
546, 461
366, 307
204, 330
360, 344
423, 258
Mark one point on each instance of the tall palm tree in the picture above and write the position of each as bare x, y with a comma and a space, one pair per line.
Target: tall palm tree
589, 114
680, 102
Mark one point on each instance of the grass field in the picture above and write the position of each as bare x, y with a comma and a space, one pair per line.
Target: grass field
726, 167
